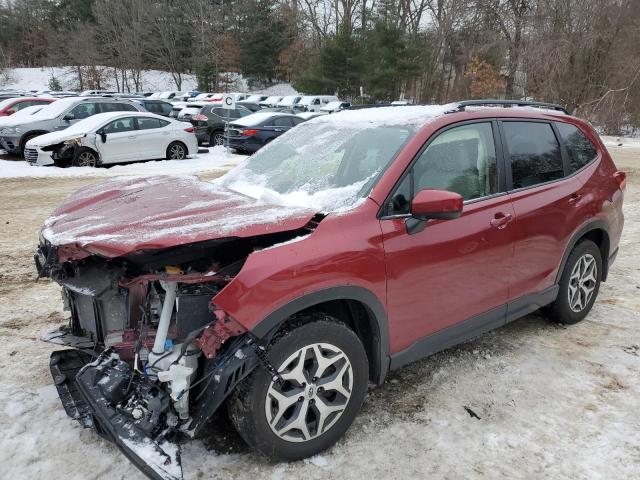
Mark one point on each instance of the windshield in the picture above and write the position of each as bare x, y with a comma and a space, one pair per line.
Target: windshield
326, 166
56, 108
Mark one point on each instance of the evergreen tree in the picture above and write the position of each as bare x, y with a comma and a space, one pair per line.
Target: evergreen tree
263, 35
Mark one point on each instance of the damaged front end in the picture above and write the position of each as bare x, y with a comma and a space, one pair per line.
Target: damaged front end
153, 357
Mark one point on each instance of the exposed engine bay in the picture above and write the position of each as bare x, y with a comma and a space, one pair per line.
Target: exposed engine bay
153, 357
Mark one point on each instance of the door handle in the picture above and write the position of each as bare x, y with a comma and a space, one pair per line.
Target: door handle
132, 137
501, 220
575, 198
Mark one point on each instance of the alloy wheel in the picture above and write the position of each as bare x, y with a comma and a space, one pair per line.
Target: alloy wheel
218, 139
176, 152
314, 390
86, 159
582, 282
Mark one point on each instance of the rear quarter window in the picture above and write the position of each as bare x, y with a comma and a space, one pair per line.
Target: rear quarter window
579, 148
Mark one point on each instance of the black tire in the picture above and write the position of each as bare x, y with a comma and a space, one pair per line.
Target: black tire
248, 403
561, 310
216, 138
177, 151
85, 157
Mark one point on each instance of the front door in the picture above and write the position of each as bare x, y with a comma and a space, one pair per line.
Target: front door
120, 145
452, 270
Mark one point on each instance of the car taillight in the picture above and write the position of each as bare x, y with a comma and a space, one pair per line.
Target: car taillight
248, 133
200, 117
189, 129
621, 178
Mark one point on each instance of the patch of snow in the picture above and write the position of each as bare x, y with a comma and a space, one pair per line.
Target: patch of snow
38, 79
385, 116
215, 159
317, 460
288, 242
624, 142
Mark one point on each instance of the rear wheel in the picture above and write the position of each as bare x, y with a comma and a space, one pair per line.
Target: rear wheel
216, 139
324, 374
85, 157
579, 284
176, 151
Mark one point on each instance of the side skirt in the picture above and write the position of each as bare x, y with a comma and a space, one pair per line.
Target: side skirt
473, 327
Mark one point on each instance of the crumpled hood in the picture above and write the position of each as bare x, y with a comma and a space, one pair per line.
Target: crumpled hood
122, 216
53, 138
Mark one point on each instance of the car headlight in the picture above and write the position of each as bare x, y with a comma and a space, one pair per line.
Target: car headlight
10, 130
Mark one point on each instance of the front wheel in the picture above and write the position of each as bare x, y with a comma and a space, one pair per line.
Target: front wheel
85, 157
579, 284
176, 151
323, 372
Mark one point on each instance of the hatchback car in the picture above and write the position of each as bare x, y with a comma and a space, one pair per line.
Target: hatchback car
251, 133
58, 116
114, 137
350, 246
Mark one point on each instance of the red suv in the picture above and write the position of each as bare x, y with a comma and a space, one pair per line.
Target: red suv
352, 245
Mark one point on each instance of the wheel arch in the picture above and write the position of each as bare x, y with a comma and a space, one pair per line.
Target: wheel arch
598, 233
26, 135
356, 306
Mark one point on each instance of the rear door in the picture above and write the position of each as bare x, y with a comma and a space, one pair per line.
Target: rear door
544, 200
152, 137
452, 270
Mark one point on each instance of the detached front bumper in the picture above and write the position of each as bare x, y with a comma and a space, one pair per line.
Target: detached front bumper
101, 392
84, 395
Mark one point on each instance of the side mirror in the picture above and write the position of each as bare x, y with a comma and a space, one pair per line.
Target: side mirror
433, 204
69, 116
11, 111
103, 135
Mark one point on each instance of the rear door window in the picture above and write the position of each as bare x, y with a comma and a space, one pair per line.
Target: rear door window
148, 123
116, 107
534, 153
84, 110
165, 108
282, 122
580, 150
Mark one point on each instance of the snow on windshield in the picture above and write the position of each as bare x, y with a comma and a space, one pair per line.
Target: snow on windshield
331, 162
56, 108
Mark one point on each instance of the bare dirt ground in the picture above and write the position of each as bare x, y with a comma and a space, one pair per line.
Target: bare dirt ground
549, 401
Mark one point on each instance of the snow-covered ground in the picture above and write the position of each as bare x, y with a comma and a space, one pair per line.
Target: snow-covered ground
552, 402
624, 142
152, 81
216, 158
38, 79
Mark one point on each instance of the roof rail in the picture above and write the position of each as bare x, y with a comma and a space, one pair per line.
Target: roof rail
511, 103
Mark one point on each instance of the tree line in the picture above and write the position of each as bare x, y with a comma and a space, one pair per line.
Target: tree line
584, 54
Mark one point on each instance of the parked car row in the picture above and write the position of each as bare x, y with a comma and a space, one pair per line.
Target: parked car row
254, 121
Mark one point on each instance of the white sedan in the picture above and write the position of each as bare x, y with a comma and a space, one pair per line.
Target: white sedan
114, 137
